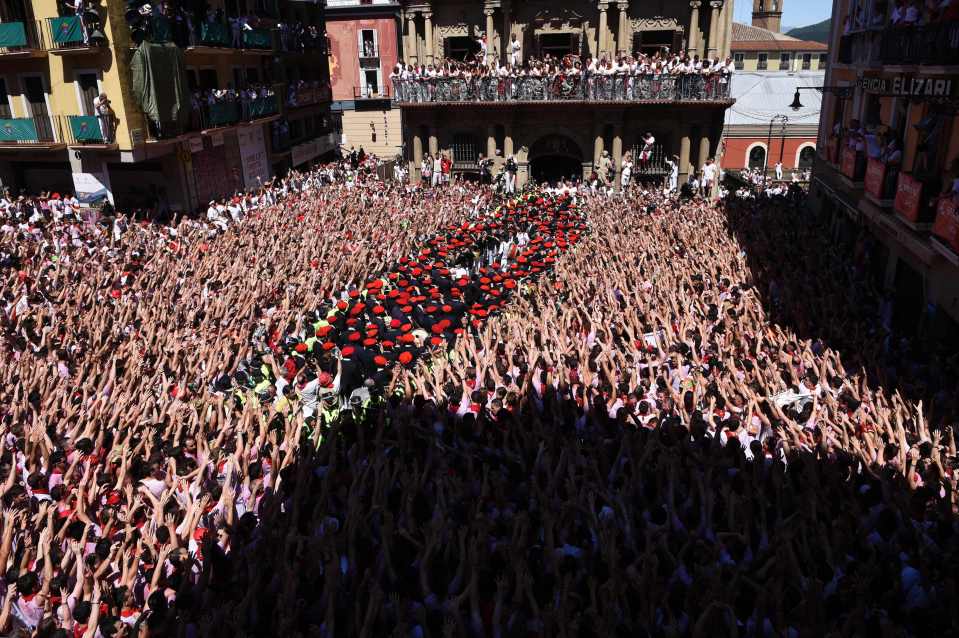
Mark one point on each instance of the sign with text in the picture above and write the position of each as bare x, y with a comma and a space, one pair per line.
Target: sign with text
875, 177
256, 165
907, 86
848, 166
908, 197
946, 227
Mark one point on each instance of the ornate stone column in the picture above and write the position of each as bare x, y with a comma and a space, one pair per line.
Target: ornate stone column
601, 46
618, 153
411, 37
703, 150
692, 44
715, 6
417, 156
684, 144
623, 45
490, 141
490, 42
428, 33
504, 37
507, 140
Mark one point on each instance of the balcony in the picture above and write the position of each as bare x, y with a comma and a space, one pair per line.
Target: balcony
912, 203
22, 39
71, 36
933, 44
880, 182
38, 132
90, 131
304, 94
643, 89
860, 48
205, 116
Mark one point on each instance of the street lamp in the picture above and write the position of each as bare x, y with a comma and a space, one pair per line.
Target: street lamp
842, 92
783, 120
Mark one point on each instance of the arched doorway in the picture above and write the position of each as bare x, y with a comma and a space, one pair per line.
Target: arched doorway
555, 157
757, 157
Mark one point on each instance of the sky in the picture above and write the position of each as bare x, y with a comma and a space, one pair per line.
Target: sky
796, 13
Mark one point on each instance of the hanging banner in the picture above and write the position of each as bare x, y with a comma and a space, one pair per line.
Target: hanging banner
946, 227
18, 129
908, 197
875, 177
92, 188
253, 156
848, 166
196, 144
66, 30
12, 35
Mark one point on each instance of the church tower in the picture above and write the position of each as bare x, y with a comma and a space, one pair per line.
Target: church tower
767, 14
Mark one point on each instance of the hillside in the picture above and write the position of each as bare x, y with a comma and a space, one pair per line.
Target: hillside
818, 32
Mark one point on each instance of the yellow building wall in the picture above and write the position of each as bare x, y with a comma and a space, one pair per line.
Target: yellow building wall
388, 126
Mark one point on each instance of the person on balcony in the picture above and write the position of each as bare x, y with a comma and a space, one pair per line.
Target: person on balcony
626, 173
779, 170
511, 170
891, 156
514, 50
105, 116
646, 153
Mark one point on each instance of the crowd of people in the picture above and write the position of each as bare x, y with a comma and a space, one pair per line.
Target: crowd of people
623, 77
341, 406
215, 107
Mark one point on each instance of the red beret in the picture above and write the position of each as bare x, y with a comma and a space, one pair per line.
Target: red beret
347, 351
405, 357
379, 360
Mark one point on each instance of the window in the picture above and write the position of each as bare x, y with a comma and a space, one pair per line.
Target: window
783, 61
87, 83
460, 48
739, 60
465, 149
191, 80
368, 43
653, 42
822, 61
208, 79
252, 75
806, 61
806, 157
763, 62
371, 85
560, 44
757, 157
4, 100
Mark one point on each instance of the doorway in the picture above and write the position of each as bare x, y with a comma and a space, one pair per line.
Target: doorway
553, 168
909, 302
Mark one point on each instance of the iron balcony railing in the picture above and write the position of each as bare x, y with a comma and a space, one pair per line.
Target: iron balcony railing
935, 44
22, 37
33, 130
75, 32
90, 129
564, 88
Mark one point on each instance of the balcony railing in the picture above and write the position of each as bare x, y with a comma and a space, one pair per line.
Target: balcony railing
70, 33
307, 95
90, 129
204, 116
564, 88
935, 44
371, 93
27, 131
22, 38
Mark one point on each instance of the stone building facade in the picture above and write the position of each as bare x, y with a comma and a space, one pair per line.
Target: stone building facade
550, 137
